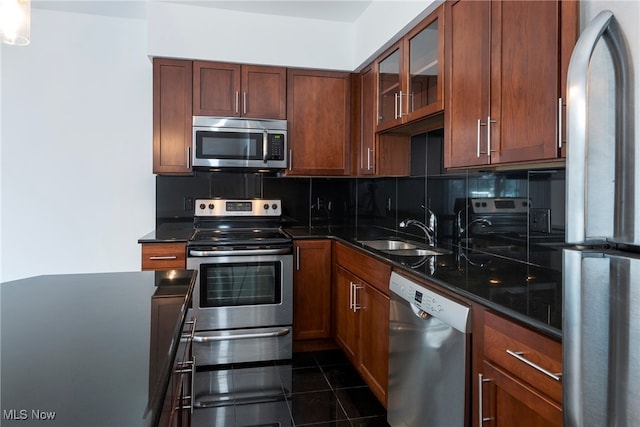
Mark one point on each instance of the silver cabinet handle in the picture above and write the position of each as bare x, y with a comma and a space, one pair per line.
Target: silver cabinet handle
481, 380
237, 102
478, 145
560, 123
395, 105
290, 160
369, 151
519, 355
161, 258
353, 303
188, 157
400, 106
489, 150
244, 103
209, 338
297, 258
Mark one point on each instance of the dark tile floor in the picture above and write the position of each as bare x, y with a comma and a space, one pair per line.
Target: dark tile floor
319, 389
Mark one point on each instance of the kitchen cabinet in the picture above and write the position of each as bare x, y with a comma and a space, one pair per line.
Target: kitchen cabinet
377, 154
319, 119
505, 66
164, 256
172, 101
362, 315
235, 90
410, 74
312, 289
519, 375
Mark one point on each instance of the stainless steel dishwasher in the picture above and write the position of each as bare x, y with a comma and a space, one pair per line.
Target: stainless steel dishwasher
429, 337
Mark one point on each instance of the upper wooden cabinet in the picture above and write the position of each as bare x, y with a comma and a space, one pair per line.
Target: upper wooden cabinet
410, 74
319, 120
505, 68
171, 116
234, 90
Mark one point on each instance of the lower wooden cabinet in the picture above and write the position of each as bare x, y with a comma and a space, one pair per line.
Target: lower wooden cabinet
361, 314
519, 376
164, 256
312, 289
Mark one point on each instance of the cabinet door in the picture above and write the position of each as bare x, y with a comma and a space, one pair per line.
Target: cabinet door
467, 60
374, 340
346, 319
312, 289
319, 117
507, 402
171, 116
264, 92
216, 88
391, 93
524, 80
425, 56
366, 146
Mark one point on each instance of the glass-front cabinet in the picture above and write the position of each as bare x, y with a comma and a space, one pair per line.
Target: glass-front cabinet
410, 75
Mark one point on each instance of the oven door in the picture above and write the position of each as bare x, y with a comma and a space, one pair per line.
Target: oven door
245, 291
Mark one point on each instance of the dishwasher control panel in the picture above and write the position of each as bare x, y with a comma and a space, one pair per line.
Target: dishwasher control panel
434, 304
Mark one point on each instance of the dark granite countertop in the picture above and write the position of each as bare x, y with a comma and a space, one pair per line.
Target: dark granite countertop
169, 233
530, 292
78, 349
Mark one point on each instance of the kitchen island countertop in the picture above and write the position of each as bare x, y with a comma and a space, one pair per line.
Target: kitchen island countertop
78, 349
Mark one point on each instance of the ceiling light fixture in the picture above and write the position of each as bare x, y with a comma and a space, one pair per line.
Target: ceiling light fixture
15, 22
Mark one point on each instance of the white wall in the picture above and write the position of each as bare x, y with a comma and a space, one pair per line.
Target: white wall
187, 31
76, 142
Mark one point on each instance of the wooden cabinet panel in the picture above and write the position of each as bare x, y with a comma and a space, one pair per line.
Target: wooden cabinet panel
374, 340
234, 90
346, 322
172, 114
410, 75
312, 289
319, 119
216, 89
374, 272
164, 256
264, 92
504, 63
511, 389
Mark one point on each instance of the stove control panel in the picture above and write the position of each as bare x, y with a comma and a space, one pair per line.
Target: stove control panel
238, 207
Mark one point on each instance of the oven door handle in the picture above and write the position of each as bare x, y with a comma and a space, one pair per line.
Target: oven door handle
278, 251
209, 338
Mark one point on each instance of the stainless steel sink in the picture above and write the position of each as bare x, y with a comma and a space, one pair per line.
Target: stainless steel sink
418, 252
402, 248
388, 245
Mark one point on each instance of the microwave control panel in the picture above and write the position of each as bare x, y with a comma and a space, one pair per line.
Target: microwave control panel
276, 146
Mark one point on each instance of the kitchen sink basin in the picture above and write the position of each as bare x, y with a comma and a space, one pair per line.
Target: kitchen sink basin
418, 252
402, 248
388, 245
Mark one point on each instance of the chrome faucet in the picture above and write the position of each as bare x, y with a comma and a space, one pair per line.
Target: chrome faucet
429, 231
460, 230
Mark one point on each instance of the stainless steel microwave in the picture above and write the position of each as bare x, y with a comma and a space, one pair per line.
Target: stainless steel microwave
256, 144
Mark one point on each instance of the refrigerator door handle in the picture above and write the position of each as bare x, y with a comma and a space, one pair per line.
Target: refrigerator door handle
606, 27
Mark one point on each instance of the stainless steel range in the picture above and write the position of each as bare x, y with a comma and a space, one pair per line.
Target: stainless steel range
243, 299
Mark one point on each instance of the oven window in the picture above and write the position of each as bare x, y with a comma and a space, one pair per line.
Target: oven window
242, 283
229, 145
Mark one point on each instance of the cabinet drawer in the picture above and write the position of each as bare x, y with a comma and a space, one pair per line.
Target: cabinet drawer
164, 256
371, 270
524, 353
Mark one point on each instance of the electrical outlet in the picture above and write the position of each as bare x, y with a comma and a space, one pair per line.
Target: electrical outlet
188, 203
540, 220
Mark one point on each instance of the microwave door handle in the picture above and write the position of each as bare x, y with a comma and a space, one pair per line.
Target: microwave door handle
265, 146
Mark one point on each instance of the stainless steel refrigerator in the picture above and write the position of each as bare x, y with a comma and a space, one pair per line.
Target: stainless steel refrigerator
601, 271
